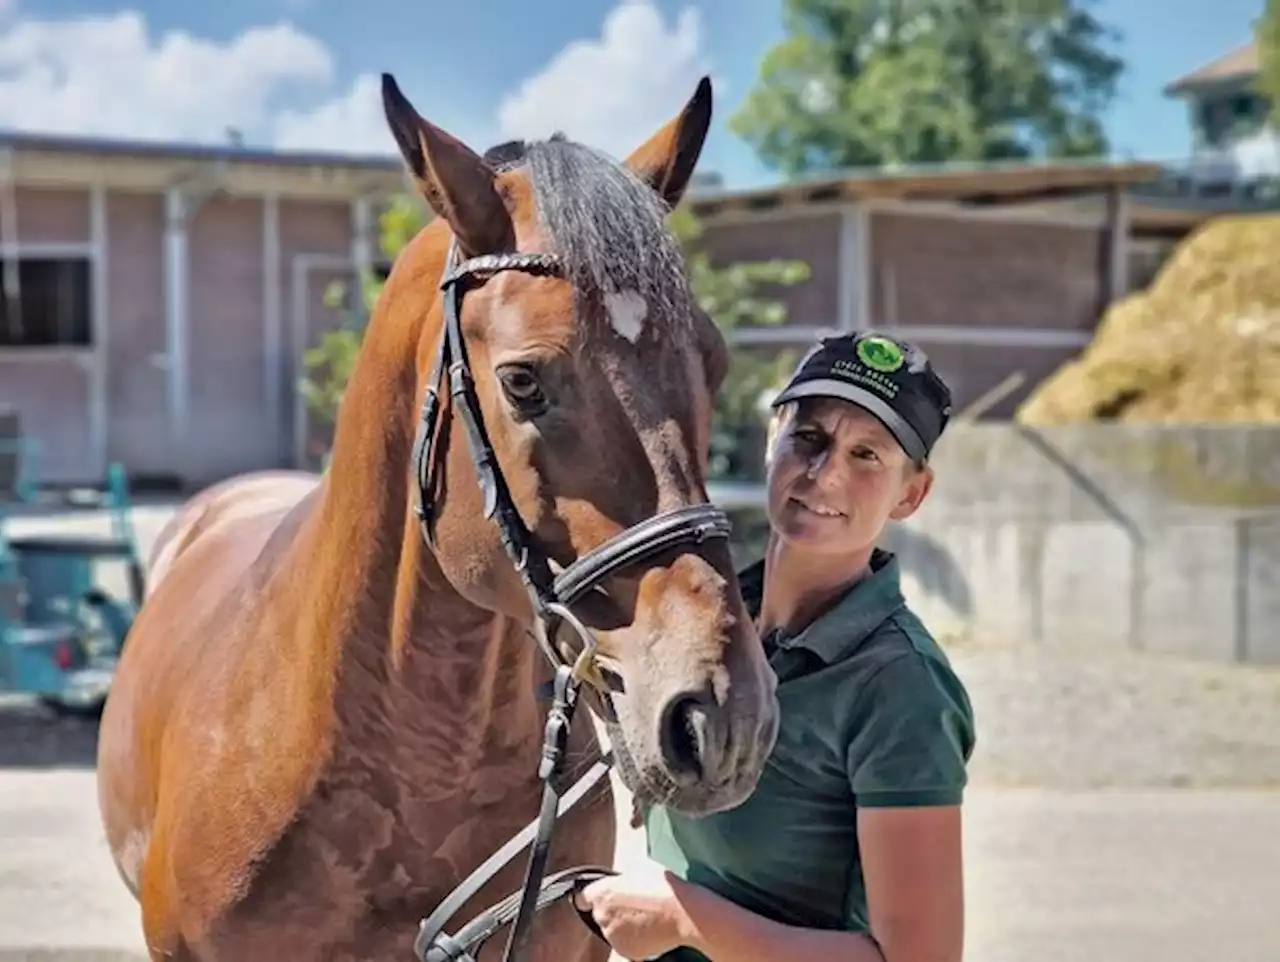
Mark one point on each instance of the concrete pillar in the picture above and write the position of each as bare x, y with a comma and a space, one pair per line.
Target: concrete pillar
177, 320
272, 327
1118, 228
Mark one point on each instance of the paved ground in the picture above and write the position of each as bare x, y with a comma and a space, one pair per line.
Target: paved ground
1073, 721
1125, 810
1053, 876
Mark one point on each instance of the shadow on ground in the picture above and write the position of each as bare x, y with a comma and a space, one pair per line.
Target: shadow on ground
33, 737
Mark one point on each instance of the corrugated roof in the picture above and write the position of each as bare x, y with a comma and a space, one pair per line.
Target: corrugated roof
167, 150
1241, 62
979, 181
957, 182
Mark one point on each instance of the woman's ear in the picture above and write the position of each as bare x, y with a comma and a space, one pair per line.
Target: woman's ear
916, 488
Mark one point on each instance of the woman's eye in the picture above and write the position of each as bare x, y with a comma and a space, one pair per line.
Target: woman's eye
808, 438
522, 388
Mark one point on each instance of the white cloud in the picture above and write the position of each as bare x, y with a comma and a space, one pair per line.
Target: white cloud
108, 76
615, 90
354, 122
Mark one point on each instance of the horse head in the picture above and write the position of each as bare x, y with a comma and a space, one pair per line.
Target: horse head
566, 366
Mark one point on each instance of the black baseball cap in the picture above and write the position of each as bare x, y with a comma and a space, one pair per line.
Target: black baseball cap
890, 378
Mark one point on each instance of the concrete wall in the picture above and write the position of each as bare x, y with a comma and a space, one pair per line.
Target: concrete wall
1161, 539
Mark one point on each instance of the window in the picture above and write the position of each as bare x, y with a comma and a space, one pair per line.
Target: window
44, 302
1247, 107
1214, 116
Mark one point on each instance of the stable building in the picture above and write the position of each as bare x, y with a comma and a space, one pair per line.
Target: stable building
156, 300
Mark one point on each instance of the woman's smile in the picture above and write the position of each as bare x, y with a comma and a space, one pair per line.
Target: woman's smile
815, 507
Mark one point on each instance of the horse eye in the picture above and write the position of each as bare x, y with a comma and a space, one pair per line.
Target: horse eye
521, 387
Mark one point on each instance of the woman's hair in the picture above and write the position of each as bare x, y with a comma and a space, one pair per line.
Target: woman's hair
778, 419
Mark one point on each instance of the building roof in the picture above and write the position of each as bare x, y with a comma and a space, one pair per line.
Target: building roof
48, 157
59, 160
167, 150
1240, 63
970, 183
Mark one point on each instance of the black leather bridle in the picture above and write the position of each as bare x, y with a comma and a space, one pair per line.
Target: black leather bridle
552, 597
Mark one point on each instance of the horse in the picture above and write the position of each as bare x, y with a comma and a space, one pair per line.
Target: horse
330, 707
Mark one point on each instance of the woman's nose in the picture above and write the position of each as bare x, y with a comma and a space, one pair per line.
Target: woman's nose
822, 470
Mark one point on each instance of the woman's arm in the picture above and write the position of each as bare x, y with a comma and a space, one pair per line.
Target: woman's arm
726, 932
913, 871
648, 911
907, 763
912, 865
913, 868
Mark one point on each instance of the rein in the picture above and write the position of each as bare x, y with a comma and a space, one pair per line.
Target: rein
552, 598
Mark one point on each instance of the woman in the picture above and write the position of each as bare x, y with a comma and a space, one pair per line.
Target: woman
850, 847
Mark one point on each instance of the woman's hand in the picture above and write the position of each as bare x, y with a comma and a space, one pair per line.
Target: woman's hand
648, 912
639, 912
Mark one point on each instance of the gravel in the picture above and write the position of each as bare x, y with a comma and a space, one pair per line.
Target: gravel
1046, 717
1123, 807
1059, 719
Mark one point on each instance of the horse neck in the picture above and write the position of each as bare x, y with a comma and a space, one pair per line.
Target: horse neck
449, 679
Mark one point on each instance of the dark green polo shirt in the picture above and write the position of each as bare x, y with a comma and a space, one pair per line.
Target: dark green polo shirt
872, 716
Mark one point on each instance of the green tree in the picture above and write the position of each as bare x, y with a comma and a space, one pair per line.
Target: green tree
731, 295
1266, 31
896, 82
734, 297
329, 364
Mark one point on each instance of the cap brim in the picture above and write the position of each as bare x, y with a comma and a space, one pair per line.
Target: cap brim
844, 391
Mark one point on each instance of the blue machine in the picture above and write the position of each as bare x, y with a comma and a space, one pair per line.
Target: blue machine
61, 633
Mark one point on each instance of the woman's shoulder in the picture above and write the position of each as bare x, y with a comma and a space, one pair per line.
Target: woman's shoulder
909, 727
904, 660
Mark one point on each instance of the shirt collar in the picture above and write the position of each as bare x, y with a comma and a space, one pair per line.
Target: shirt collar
839, 630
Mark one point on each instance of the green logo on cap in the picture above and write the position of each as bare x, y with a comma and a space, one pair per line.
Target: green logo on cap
880, 354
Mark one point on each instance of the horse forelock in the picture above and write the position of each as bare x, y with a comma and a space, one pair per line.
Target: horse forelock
607, 225
627, 268
610, 228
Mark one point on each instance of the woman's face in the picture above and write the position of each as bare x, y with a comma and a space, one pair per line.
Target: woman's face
837, 476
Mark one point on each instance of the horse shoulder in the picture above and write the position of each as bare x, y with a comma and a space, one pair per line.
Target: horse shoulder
241, 720
243, 496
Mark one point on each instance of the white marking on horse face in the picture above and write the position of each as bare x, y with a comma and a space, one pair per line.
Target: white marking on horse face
506, 315
627, 313
507, 320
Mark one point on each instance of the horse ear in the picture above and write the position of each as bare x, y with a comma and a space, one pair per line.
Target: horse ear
667, 159
453, 178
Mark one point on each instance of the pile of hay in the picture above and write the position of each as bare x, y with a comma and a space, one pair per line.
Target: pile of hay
1202, 343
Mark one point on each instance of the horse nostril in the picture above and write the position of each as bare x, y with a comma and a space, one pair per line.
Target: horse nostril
683, 735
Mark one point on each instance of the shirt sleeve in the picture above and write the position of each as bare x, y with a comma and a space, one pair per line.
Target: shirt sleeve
912, 735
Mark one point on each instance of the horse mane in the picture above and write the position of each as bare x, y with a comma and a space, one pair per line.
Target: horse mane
510, 154
608, 225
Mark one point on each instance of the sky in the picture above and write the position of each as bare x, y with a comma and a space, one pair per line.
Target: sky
304, 73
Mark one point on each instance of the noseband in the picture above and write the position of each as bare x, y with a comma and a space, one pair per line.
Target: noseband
552, 596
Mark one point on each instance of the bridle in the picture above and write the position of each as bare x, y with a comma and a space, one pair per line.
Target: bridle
552, 596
